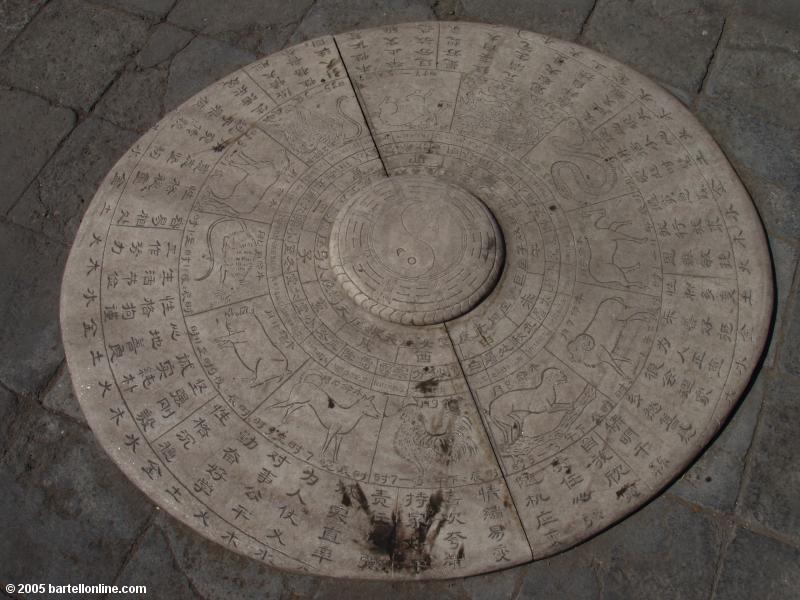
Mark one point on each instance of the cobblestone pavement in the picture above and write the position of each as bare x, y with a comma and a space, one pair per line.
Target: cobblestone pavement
81, 79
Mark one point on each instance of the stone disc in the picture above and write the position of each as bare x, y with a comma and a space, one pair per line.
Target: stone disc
422, 301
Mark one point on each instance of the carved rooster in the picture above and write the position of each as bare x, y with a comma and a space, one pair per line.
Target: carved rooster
438, 440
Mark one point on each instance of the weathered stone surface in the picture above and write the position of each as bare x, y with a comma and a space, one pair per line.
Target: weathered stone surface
246, 23
14, 16
136, 99
29, 289
146, 8
559, 19
771, 496
9, 411
31, 129
165, 41
328, 17
714, 480
202, 62
671, 42
152, 564
785, 260
72, 51
60, 397
782, 12
756, 566
665, 550
55, 201
789, 353
66, 514
572, 260
213, 571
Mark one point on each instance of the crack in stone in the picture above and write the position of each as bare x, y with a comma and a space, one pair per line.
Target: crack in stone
701, 88
585, 23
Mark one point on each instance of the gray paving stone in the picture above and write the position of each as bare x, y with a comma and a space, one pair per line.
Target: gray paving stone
789, 352
569, 575
214, 571
715, 478
29, 291
771, 496
759, 567
165, 41
369, 590
9, 411
147, 8
666, 550
782, 12
765, 156
559, 19
243, 22
784, 258
31, 129
669, 41
335, 16
757, 67
66, 513
201, 63
500, 584
71, 51
153, 565
61, 398
136, 99
14, 16
55, 202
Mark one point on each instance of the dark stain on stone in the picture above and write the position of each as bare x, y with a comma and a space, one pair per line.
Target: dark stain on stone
427, 386
461, 554
621, 491
219, 147
361, 498
553, 207
331, 403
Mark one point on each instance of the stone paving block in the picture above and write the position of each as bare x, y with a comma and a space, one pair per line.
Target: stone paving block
14, 16
758, 567
71, 51
335, 16
66, 514
55, 202
784, 258
559, 19
766, 157
165, 41
715, 478
9, 411
146, 8
789, 353
202, 62
243, 22
757, 69
61, 398
29, 293
569, 575
215, 571
153, 565
489, 586
669, 41
31, 129
781, 12
666, 550
771, 496
135, 101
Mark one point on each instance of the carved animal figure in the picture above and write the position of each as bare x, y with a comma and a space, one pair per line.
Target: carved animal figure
509, 411
587, 173
611, 256
600, 341
494, 113
441, 439
308, 132
226, 191
248, 340
238, 253
337, 419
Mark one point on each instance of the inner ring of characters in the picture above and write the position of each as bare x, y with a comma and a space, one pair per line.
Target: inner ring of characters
416, 250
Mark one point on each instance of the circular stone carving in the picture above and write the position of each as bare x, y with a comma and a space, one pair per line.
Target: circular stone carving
240, 367
415, 250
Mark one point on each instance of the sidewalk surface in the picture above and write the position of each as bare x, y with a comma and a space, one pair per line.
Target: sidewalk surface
80, 80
